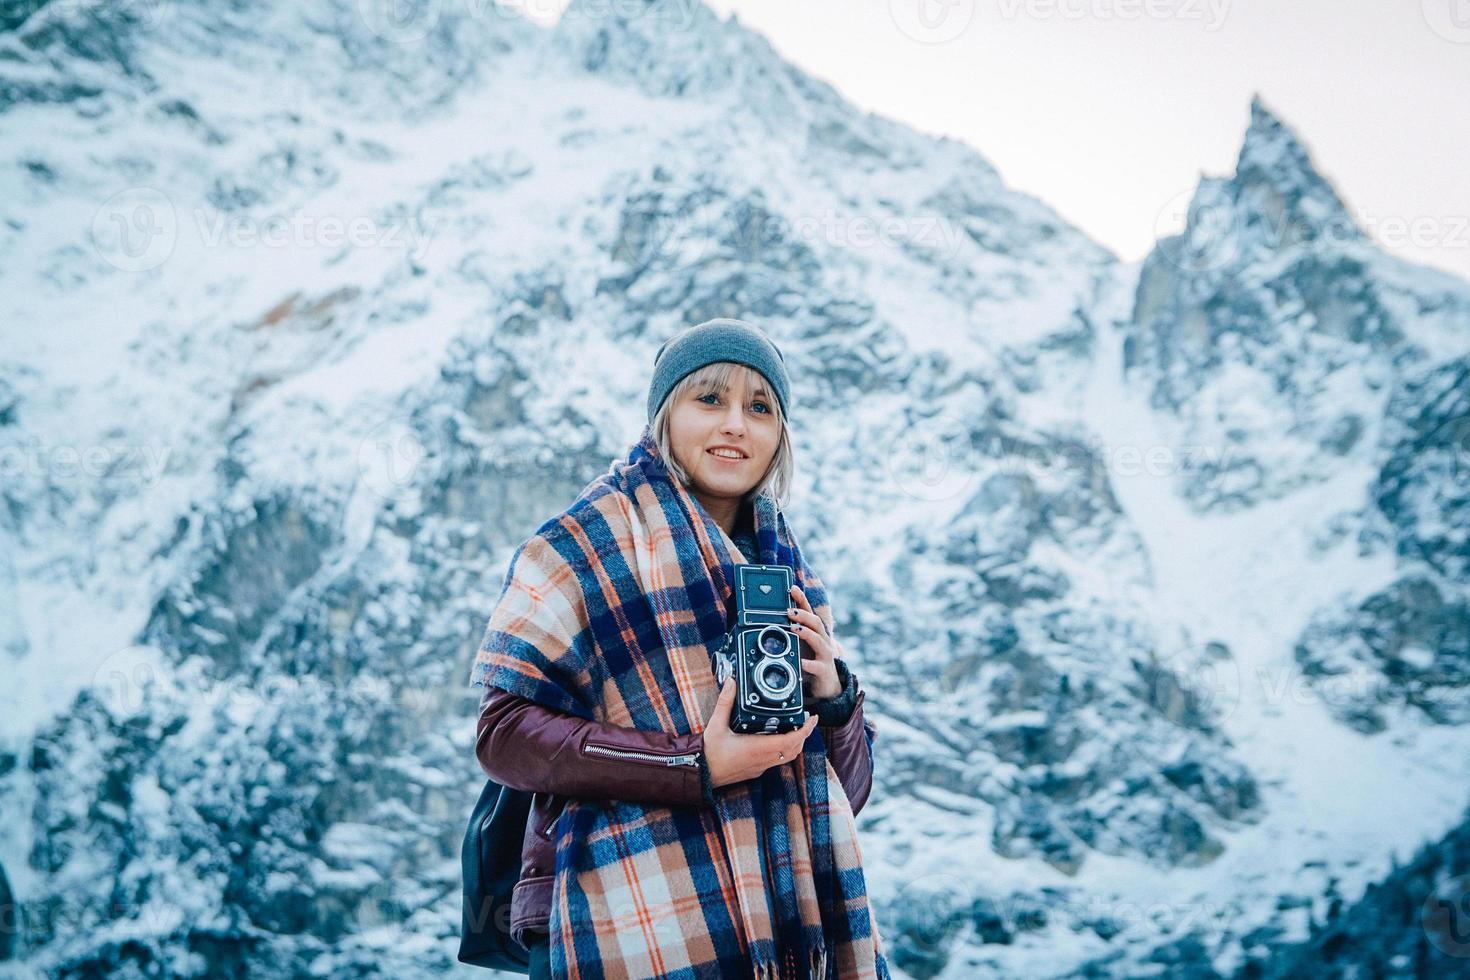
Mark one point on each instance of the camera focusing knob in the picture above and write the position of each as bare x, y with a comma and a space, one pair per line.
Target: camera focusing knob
724, 665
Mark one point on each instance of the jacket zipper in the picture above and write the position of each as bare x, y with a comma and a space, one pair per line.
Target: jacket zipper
550, 829
691, 759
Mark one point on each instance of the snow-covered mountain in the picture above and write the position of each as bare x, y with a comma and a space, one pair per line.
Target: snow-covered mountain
1155, 573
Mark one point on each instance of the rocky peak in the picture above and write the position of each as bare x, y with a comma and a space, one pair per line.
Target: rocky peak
1280, 198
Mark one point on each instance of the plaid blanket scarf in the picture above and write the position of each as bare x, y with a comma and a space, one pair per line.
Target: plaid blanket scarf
614, 611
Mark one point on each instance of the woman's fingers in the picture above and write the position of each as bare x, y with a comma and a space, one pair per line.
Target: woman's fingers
801, 734
752, 753
823, 672
807, 619
792, 742
815, 669
800, 598
719, 716
803, 614
815, 645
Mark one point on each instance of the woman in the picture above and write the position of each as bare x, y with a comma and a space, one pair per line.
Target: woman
660, 842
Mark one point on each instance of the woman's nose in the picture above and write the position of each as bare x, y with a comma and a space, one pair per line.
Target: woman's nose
734, 420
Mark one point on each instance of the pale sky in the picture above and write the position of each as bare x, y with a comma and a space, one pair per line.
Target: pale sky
1108, 110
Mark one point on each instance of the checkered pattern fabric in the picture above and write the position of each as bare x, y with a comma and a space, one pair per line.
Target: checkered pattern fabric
612, 611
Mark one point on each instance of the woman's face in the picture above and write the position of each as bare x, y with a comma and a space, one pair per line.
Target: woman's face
744, 418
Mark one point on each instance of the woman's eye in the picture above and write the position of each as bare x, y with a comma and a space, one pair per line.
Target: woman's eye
765, 408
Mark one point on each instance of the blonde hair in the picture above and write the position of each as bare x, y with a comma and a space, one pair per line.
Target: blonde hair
719, 376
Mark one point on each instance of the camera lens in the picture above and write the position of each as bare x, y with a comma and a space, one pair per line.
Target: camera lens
774, 676
775, 679
773, 642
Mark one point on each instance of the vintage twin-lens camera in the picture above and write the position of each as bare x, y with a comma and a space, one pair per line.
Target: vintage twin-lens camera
764, 653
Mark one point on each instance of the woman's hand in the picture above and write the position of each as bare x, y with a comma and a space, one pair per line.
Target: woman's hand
732, 757
819, 651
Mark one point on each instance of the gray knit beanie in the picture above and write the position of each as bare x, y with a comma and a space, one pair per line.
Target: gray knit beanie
720, 339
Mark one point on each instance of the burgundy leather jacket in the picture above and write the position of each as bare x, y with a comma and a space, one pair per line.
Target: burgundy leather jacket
554, 755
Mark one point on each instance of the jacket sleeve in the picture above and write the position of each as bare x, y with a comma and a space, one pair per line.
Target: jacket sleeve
530, 747
849, 737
